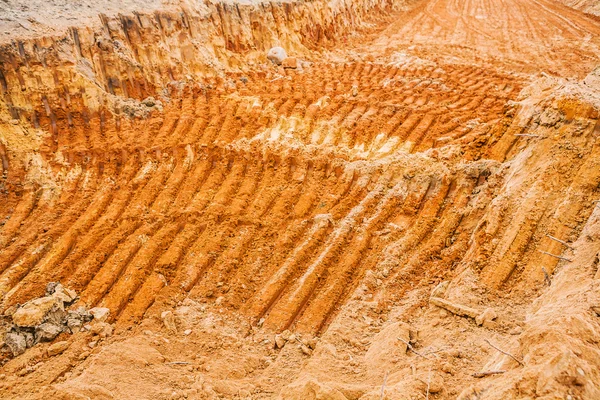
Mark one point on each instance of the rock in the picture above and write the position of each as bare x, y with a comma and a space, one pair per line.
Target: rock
517, 330
57, 348
74, 324
279, 342
34, 312
436, 383
16, 342
51, 287
485, 317
149, 102
99, 313
276, 55
47, 331
305, 350
290, 62
286, 335
550, 117
63, 294
101, 329
92, 344
312, 343
187, 332
169, 321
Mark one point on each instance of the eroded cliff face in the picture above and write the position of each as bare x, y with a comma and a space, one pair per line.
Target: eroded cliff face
85, 76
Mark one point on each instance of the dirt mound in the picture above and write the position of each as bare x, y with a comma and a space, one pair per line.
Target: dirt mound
405, 208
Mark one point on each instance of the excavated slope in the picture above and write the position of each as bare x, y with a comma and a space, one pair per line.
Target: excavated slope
155, 161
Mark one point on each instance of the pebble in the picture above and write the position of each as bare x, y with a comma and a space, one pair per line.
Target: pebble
57, 348
279, 342
99, 313
276, 55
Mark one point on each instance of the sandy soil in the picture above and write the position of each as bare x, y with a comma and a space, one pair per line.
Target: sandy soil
405, 209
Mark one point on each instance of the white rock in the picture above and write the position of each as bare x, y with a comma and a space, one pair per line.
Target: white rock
276, 55
33, 312
100, 313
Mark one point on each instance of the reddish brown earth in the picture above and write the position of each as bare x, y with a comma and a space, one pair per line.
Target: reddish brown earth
421, 155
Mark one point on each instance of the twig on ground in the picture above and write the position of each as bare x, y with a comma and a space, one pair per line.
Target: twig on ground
179, 363
486, 373
560, 241
554, 255
409, 346
526, 135
436, 351
383, 386
546, 277
457, 309
505, 353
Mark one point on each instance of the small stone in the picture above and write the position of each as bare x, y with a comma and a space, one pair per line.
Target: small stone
187, 332
486, 316
447, 368
33, 312
74, 325
436, 383
16, 342
92, 344
149, 102
46, 332
290, 62
84, 355
286, 335
99, 313
305, 350
102, 329
517, 330
276, 55
148, 332
354, 90
63, 294
312, 343
169, 321
57, 348
279, 342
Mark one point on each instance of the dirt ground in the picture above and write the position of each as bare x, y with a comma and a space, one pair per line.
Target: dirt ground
406, 208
